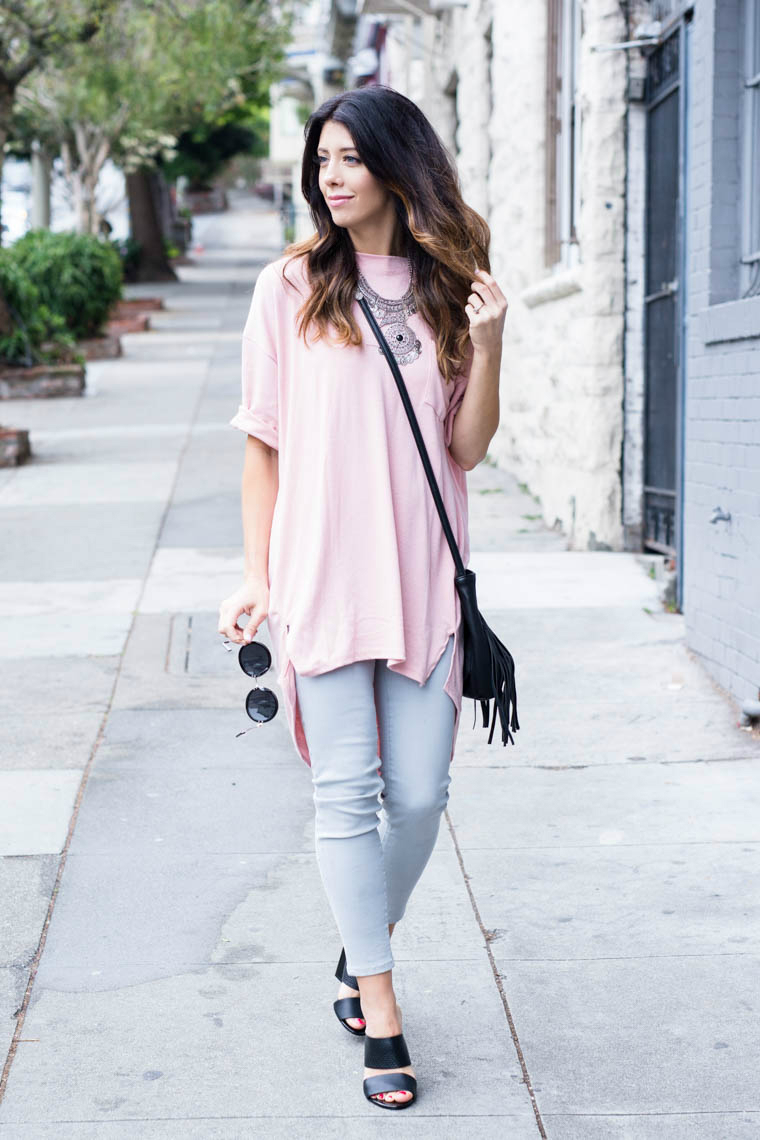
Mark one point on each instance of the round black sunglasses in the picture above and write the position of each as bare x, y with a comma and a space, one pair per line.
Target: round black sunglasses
261, 704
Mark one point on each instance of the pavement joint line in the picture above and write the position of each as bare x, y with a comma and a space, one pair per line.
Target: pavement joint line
497, 978
22, 1010
102, 967
127, 430
602, 764
612, 846
132, 852
639, 957
320, 962
676, 1112
288, 1116
460, 766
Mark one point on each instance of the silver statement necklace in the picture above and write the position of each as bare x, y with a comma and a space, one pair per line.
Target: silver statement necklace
392, 316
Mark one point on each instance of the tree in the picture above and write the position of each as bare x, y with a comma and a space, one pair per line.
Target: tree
30, 32
153, 72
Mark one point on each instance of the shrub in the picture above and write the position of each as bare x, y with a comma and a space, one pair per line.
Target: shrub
37, 335
78, 276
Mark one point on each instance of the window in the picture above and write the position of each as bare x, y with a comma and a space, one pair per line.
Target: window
562, 131
750, 283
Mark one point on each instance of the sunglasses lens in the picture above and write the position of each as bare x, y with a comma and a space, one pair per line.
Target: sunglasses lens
261, 704
254, 658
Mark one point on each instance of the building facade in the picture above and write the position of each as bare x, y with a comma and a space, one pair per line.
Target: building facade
614, 148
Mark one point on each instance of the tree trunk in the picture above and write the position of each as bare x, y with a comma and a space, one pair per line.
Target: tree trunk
41, 168
6, 113
145, 225
6, 320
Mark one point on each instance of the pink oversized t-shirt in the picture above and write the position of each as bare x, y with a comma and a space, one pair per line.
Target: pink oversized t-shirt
359, 567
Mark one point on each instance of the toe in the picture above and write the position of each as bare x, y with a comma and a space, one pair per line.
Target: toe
392, 1096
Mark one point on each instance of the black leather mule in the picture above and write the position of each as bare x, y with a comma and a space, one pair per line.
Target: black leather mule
348, 1006
388, 1053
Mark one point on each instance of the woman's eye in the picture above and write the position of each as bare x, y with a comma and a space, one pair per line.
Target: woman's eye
320, 159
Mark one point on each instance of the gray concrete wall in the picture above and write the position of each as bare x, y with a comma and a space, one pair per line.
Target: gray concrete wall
722, 420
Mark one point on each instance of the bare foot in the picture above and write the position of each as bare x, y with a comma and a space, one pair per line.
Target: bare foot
387, 1024
345, 991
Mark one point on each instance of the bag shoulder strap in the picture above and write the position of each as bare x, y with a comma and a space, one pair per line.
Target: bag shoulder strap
393, 363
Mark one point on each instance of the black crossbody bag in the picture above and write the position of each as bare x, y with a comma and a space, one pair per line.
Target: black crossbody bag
489, 670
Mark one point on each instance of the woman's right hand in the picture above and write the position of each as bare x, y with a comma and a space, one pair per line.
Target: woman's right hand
252, 598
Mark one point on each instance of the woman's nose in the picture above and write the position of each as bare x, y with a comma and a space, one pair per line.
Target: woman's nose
332, 173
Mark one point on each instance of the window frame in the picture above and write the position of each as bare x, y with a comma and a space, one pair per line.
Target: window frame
749, 282
563, 133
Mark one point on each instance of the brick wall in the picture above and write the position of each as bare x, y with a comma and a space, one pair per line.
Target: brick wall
722, 414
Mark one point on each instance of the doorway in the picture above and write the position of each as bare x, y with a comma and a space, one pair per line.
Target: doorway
664, 300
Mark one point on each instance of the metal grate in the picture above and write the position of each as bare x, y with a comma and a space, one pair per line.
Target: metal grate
662, 297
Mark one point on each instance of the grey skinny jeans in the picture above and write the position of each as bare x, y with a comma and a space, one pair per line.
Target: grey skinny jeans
369, 871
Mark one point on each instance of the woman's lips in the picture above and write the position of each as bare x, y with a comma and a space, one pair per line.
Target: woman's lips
338, 201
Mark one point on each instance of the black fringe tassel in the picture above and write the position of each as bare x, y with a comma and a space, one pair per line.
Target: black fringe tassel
505, 688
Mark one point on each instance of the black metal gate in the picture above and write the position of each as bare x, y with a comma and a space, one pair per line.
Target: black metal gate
663, 302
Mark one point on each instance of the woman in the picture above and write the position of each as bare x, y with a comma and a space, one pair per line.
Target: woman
344, 552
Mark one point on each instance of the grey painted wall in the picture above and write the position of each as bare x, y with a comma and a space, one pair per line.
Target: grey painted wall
721, 585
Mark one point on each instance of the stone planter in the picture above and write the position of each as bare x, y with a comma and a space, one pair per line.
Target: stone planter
100, 347
14, 446
136, 305
42, 381
137, 322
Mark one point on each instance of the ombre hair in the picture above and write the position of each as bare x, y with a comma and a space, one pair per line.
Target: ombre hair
444, 238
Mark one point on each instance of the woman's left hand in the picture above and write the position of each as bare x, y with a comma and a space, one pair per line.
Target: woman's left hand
486, 309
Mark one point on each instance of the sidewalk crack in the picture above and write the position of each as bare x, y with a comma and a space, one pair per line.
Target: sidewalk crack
487, 937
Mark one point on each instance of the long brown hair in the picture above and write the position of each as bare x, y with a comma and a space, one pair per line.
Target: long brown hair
444, 238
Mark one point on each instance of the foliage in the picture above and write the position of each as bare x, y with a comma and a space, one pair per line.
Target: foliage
34, 325
77, 276
31, 30
156, 70
203, 152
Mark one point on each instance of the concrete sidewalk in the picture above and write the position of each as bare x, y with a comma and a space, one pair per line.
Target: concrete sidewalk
579, 961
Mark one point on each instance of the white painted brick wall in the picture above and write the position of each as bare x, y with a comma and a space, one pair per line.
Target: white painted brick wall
562, 383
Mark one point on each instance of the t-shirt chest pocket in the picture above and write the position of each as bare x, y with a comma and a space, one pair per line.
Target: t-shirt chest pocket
435, 395
422, 378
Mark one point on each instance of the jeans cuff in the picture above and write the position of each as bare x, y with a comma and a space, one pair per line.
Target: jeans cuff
366, 970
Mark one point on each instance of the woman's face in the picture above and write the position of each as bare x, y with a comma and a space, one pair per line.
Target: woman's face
353, 195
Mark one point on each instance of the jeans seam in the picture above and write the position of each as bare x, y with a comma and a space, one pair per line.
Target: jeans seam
377, 828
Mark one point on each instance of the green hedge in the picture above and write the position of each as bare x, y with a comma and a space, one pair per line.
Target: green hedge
33, 323
78, 276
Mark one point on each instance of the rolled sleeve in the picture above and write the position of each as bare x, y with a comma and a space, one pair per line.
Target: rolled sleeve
258, 411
